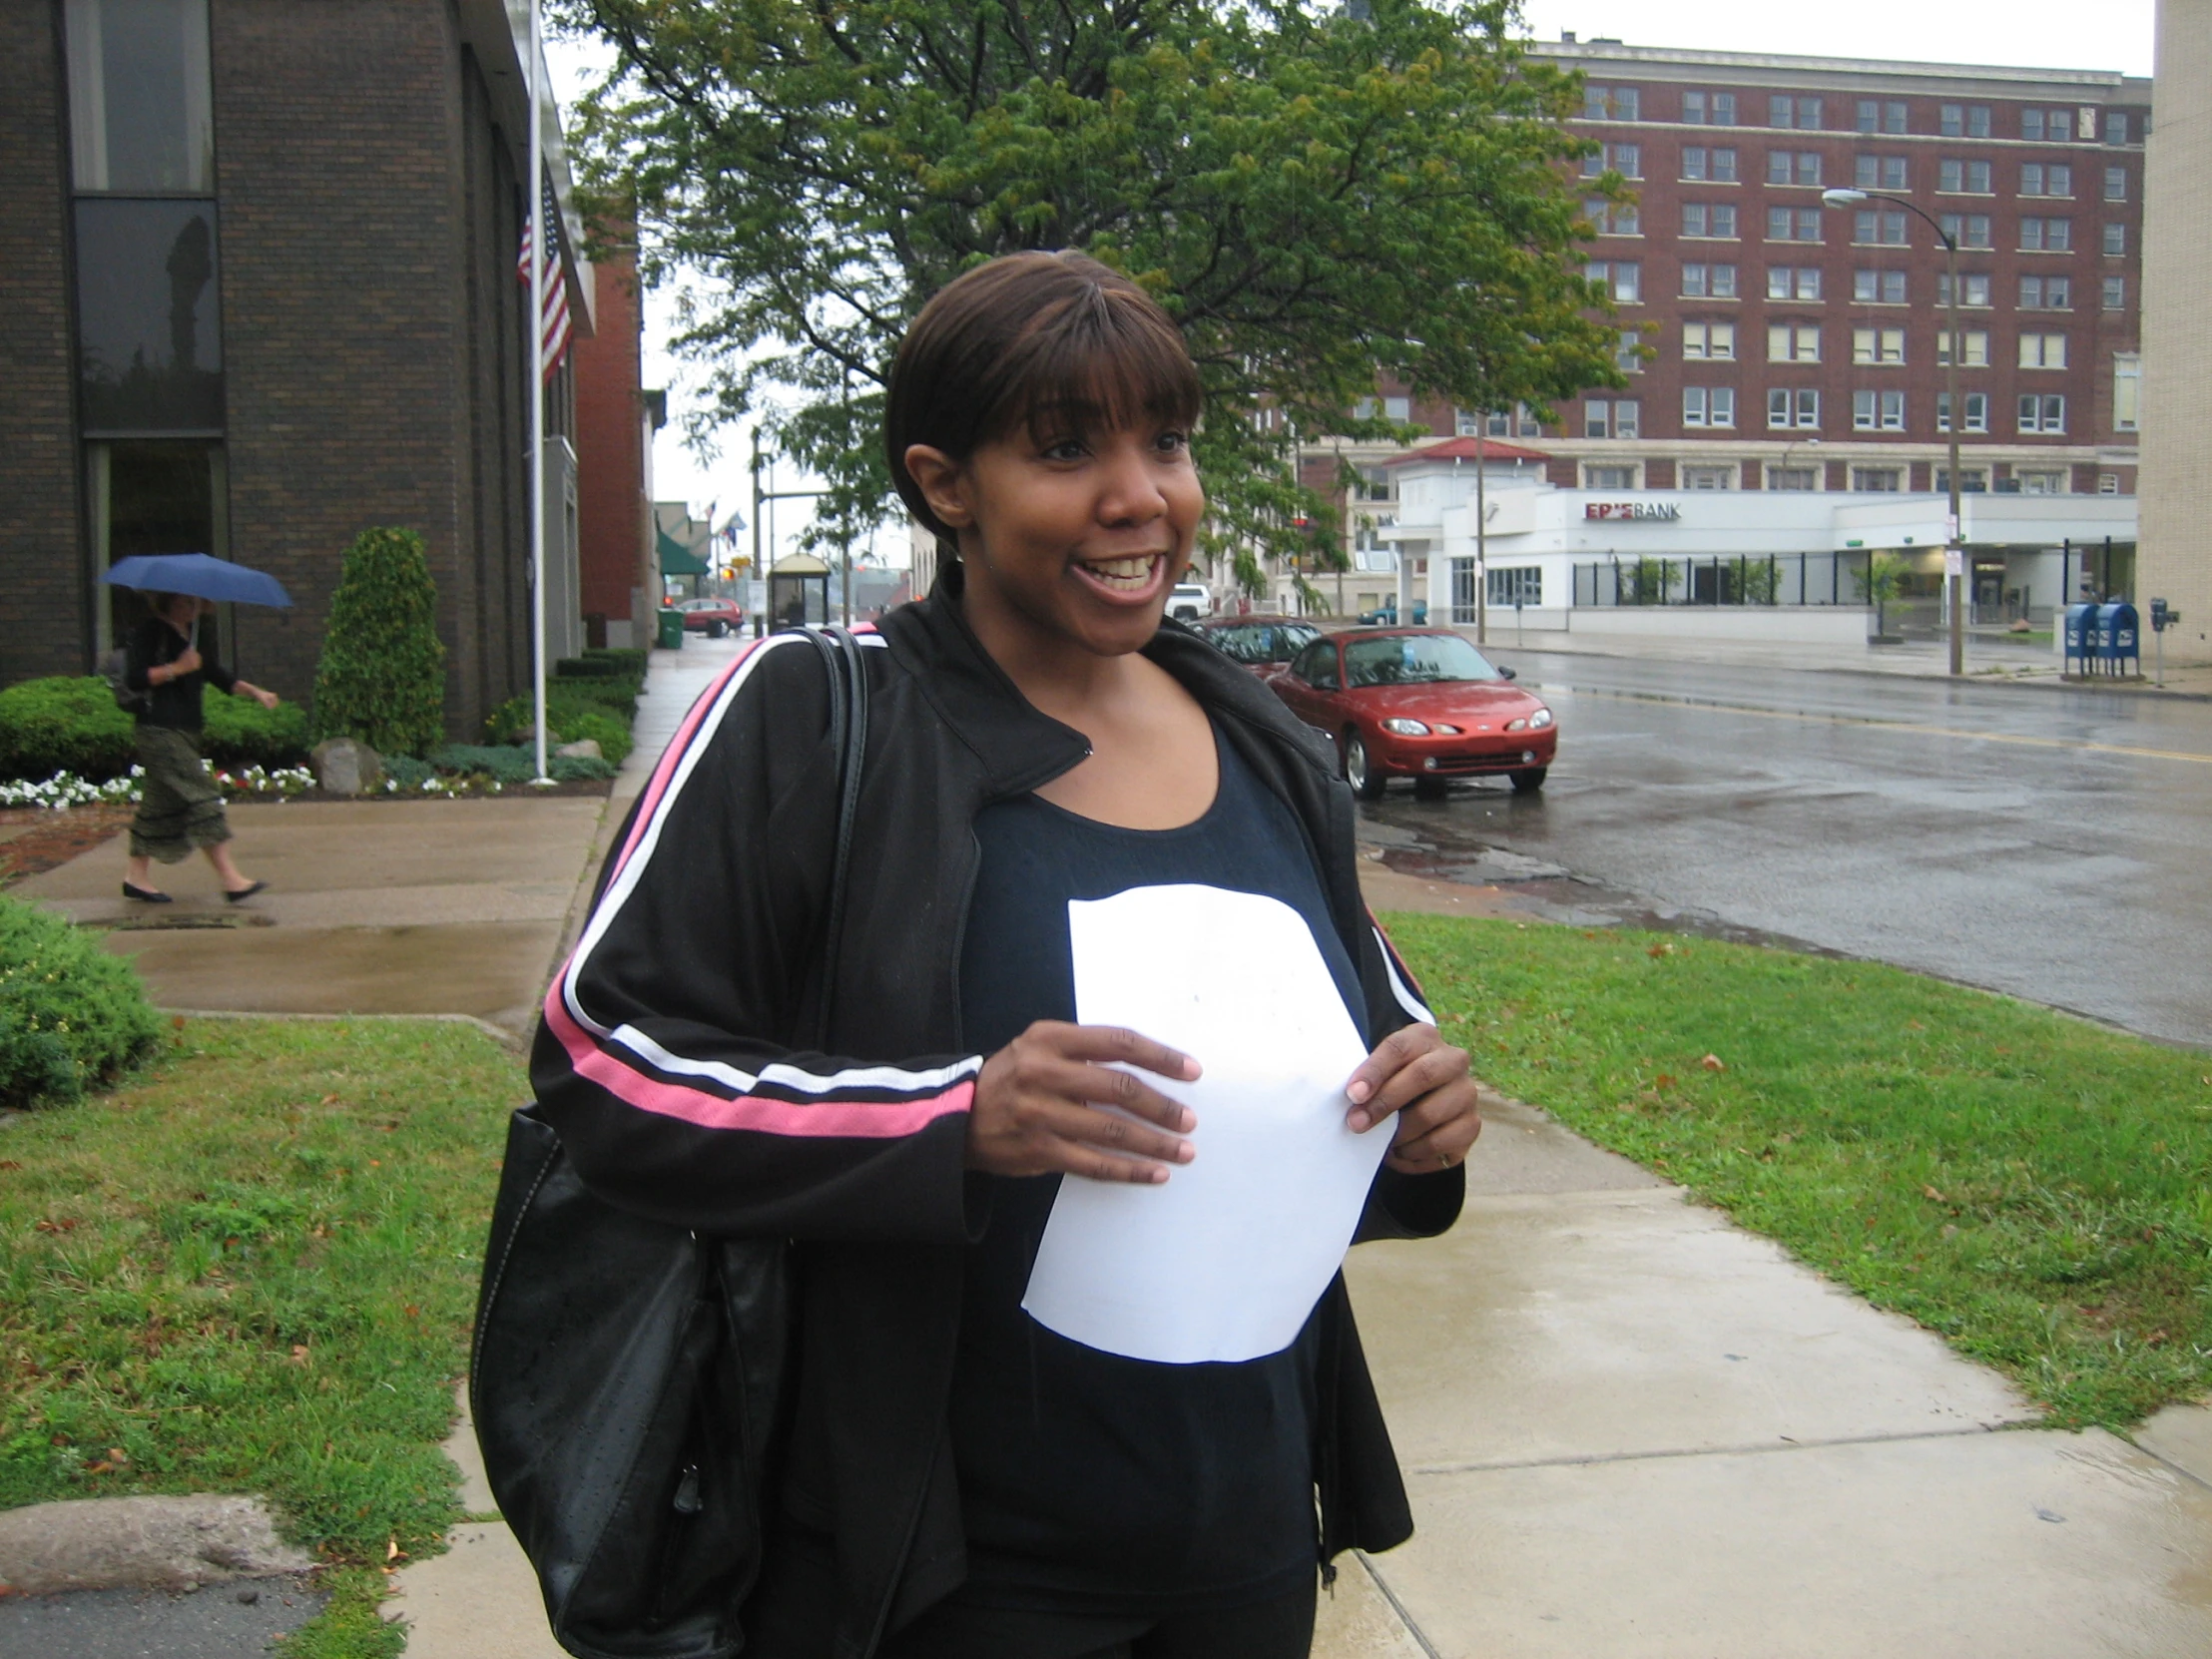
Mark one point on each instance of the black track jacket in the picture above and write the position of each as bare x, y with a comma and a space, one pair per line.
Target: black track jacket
659, 1060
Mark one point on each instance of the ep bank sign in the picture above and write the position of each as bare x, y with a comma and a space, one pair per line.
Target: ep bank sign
1667, 511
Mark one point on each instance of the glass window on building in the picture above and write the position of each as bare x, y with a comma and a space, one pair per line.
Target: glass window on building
151, 496
148, 329
1516, 585
2127, 391
139, 95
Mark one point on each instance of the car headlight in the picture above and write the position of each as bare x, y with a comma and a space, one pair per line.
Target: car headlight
1406, 727
1540, 720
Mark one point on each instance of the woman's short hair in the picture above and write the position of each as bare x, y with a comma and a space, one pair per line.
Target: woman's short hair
1056, 342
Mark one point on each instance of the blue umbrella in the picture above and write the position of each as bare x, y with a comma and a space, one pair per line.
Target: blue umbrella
198, 575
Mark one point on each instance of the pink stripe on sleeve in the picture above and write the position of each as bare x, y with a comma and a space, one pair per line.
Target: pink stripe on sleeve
830, 1120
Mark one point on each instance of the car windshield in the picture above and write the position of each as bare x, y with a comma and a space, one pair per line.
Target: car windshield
1263, 642
1414, 660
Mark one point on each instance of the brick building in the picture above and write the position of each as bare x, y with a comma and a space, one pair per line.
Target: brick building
258, 293
615, 420
1774, 322
1772, 343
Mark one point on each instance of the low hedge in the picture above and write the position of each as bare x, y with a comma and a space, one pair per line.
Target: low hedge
70, 1015
72, 724
569, 718
512, 764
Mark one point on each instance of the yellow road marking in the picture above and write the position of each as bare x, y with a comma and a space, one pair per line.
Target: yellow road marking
1888, 724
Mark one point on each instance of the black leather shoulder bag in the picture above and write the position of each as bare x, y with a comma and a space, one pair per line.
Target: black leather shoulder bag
628, 1379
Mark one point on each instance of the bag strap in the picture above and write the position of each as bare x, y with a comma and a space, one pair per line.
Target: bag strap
842, 655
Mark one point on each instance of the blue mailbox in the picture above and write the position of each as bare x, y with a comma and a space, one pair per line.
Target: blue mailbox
2080, 626
2118, 638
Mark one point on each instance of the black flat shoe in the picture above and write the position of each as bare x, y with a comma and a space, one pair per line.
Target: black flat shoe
146, 895
243, 893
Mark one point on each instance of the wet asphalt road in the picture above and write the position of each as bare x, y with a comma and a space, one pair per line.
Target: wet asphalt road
2053, 844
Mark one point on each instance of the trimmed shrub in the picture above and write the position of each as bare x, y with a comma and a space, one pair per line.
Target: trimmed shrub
382, 674
568, 719
72, 725
240, 732
70, 1015
64, 724
513, 765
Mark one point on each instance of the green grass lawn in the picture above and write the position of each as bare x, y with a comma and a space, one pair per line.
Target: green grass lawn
253, 1268
2036, 1187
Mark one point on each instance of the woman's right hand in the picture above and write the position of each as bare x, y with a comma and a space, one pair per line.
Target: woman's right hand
187, 662
1037, 1108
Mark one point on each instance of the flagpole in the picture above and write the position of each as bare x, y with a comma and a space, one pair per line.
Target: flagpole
537, 393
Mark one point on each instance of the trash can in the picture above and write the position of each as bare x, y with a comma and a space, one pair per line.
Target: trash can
2080, 625
2118, 638
672, 629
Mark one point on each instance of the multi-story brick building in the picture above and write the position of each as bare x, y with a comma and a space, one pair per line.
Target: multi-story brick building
1774, 342
1773, 323
257, 292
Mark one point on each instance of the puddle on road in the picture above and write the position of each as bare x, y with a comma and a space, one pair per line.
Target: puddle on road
1545, 892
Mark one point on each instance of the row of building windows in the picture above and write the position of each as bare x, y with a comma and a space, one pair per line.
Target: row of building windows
1706, 279
1800, 342
1871, 227
1797, 112
1728, 475
1802, 168
1873, 410
1802, 283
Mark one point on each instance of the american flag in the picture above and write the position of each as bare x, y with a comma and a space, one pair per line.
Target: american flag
553, 324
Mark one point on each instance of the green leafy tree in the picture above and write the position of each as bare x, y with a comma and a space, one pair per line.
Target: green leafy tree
381, 677
1882, 581
1314, 192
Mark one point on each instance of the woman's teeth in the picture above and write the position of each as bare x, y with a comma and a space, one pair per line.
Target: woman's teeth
1123, 575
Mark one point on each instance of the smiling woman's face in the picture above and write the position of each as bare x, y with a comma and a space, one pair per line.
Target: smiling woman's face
1074, 537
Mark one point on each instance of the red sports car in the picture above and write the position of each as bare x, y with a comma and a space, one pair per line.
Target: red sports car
1418, 702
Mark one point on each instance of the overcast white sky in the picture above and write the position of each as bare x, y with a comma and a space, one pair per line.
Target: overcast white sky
2043, 34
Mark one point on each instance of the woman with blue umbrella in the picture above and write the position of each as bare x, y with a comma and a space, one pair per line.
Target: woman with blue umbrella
166, 670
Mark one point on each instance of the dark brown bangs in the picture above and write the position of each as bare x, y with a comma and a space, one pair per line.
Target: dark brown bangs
1054, 344
1093, 364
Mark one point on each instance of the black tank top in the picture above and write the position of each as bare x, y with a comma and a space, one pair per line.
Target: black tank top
1091, 1482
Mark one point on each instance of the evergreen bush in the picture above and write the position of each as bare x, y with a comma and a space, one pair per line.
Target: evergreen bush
71, 724
240, 732
382, 674
70, 1015
64, 724
568, 718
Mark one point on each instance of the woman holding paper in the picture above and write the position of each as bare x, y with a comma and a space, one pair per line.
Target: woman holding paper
1121, 1061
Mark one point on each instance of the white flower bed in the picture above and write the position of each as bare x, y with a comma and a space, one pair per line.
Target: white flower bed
66, 788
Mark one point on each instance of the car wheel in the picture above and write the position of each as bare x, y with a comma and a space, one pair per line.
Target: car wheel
1529, 779
715, 630
1429, 789
1360, 769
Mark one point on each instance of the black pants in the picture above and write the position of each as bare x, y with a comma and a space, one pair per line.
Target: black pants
790, 1615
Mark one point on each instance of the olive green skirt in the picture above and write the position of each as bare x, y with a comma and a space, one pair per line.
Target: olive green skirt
180, 808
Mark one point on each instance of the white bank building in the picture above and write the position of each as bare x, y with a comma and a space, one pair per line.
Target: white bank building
1777, 565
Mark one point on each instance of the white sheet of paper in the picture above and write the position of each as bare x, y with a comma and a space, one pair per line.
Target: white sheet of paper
1227, 1258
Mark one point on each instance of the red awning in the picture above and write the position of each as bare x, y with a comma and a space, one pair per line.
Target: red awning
1463, 450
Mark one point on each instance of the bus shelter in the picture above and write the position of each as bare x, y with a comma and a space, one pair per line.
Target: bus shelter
798, 593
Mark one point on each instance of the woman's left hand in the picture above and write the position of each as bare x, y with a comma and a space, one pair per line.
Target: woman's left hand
1417, 1075
267, 698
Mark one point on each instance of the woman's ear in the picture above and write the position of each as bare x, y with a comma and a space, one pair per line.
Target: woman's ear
943, 484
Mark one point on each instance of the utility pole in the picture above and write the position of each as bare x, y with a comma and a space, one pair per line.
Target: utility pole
1481, 539
1955, 540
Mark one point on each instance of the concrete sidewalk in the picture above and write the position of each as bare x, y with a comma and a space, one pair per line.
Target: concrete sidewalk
1990, 658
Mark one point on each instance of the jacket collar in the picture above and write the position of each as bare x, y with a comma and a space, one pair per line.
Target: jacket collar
1020, 747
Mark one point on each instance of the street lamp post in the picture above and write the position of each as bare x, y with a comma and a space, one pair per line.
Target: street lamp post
1954, 545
